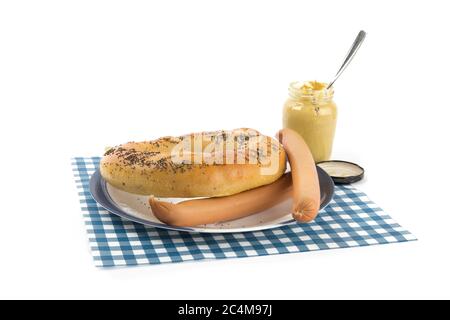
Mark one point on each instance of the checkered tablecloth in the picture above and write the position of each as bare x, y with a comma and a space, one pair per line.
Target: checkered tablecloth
350, 220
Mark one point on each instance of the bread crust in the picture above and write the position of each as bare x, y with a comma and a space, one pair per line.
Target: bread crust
149, 168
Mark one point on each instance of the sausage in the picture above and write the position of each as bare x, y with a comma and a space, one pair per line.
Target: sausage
302, 184
306, 189
211, 210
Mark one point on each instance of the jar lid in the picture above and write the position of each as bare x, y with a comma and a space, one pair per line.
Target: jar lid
342, 172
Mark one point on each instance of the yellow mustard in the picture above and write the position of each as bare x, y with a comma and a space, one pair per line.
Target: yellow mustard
311, 111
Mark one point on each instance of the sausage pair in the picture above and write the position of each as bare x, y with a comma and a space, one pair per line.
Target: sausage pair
302, 184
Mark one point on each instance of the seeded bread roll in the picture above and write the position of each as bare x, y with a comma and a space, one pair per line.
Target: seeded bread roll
206, 164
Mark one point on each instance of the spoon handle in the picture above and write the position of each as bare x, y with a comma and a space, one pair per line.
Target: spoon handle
348, 58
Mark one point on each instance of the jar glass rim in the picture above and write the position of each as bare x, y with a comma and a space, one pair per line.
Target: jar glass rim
297, 90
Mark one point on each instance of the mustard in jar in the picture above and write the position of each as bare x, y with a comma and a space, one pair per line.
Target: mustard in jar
311, 111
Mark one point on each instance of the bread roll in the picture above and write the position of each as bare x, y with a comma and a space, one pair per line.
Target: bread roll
206, 164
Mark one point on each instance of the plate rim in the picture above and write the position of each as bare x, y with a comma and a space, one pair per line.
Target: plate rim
99, 192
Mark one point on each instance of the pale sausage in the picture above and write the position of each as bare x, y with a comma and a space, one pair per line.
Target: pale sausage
306, 189
211, 210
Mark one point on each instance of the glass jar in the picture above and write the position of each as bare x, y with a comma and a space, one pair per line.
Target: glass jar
311, 111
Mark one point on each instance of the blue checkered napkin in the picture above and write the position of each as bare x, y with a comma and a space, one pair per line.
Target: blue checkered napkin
350, 220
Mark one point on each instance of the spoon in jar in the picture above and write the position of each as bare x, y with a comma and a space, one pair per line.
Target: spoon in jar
348, 58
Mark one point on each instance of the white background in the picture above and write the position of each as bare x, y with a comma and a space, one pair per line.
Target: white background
76, 76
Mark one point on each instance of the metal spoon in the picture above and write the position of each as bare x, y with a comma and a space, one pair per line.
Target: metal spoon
355, 46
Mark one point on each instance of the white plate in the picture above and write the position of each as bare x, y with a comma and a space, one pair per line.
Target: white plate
136, 208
